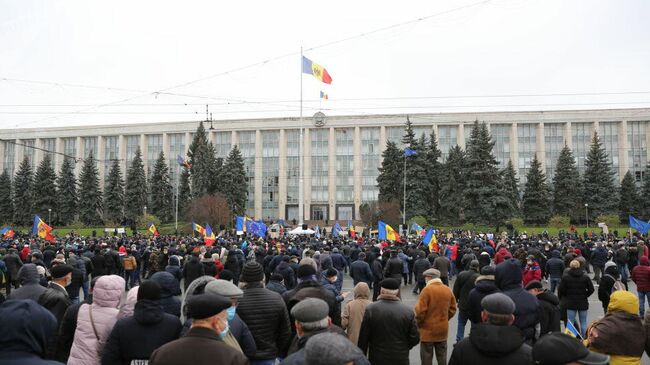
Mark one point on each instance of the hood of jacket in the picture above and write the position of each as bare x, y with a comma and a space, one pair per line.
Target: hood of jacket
196, 287
173, 261
576, 272
555, 253
486, 284
148, 311
26, 326
496, 341
361, 291
644, 261
623, 301
28, 274
108, 291
508, 275
129, 304
168, 283
547, 296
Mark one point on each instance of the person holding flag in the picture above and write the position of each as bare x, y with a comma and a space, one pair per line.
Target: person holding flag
431, 241
386, 232
153, 230
42, 230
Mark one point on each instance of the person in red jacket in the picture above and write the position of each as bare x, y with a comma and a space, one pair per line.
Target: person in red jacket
641, 277
532, 271
501, 255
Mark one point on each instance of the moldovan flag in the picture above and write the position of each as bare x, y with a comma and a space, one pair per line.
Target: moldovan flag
431, 240
571, 330
197, 228
316, 70
153, 230
386, 232
43, 230
7, 232
209, 237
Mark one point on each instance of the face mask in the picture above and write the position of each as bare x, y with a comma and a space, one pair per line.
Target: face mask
224, 333
231, 312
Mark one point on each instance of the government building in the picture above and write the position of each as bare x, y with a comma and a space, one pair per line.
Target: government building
342, 153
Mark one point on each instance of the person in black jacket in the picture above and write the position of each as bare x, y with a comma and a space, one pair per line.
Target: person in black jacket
360, 271
420, 266
276, 285
377, 273
235, 263
394, 267
609, 278
209, 268
174, 268
598, 260
192, 269
29, 280
136, 337
265, 314
574, 291
484, 286
99, 264
549, 303
465, 282
170, 289
508, 279
388, 331
68, 326
13, 262
555, 269
310, 287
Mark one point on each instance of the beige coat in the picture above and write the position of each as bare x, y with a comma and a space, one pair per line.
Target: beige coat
354, 311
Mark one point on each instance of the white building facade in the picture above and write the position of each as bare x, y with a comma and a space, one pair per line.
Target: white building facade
342, 155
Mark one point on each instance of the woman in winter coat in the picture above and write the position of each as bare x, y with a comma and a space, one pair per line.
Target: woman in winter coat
532, 271
574, 291
174, 267
641, 277
95, 321
354, 310
609, 279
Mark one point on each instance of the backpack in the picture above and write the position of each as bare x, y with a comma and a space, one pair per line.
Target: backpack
618, 285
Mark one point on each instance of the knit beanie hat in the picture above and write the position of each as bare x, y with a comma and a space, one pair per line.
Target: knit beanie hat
253, 272
306, 270
149, 289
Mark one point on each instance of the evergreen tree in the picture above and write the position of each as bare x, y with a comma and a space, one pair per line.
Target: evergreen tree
114, 194
90, 196
234, 184
184, 192
6, 199
66, 201
418, 186
599, 189
217, 187
536, 203
629, 198
390, 175
135, 191
409, 138
202, 158
23, 194
512, 187
451, 187
567, 187
486, 200
645, 195
161, 199
433, 175
45, 188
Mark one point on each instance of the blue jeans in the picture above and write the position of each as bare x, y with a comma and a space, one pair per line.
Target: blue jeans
554, 283
642, 296
130, 276
74, 300
462, 321
263, 362
85, 286
622, 270
582, 315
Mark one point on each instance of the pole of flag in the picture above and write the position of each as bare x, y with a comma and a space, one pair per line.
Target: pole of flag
177, 183
404, 212
301, 213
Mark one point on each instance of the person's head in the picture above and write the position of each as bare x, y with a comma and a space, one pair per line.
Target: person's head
474, 265
530, 259
277, 277
535, 287
561, 349
306, 272
389, 286
61, 274
228, 290
362, 256
498, 310
27, 327
311, 315
574, 264
331, 348
149, 290
332, 275
209, 311
431, 274
252, 273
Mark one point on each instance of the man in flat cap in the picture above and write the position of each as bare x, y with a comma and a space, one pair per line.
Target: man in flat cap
333, 349
388, 330
203, 344
433, 310
496, 340
56, 298
311, 317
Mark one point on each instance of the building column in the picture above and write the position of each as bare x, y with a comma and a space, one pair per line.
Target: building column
258, 174
282, 175
234, 141
19, 152
435, 131
101, 148
568, 136
188, 141
514, 147
143, 149
460, 137
165, 148
382, 143
38, 154
331, 174
79, 148
306, 163
58, 157
357, 170
594, 129
623, 163
540, 146
121, 153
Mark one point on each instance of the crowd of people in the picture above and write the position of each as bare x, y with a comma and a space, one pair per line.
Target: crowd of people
251, 300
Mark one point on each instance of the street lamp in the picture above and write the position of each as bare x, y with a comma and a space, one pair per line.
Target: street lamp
49, 215
145, 210
587, 213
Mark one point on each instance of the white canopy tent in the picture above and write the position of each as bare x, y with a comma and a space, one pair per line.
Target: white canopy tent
299, 230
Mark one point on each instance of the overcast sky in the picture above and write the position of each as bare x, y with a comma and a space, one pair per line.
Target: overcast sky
137, 59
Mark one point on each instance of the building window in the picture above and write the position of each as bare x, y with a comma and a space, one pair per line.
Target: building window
345, 212
422, 130
223, 144
132, 144
320, 165
154, 147
637, 149
553, 143
293, 166
608, 133
318, 212
9, 164
70, 150
111, 153
501, 136
395, 135
345, 165
527, 139
247, 147
270, 174
447, 138
370, 154
176, 148
581, 141
49, 145
90, 147
28, 151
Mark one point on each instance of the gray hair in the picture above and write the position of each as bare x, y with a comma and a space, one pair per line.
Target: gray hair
316, 325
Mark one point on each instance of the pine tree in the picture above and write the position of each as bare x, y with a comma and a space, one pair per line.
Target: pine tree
418, 186
390, 175
6, 199
66, 201
433, 175
599, 189
451, 187
23, 194
90, 196
202, 158
567, 187
217, 187
45, 188
512, 187
645, 195
486, 200
114, 194
536, 203
629, 198
184, 192
135, 191
161, 194
234, 182
409, 138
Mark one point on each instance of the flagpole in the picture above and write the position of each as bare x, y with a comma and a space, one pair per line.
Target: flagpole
177, 179
404, 212
301, 212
